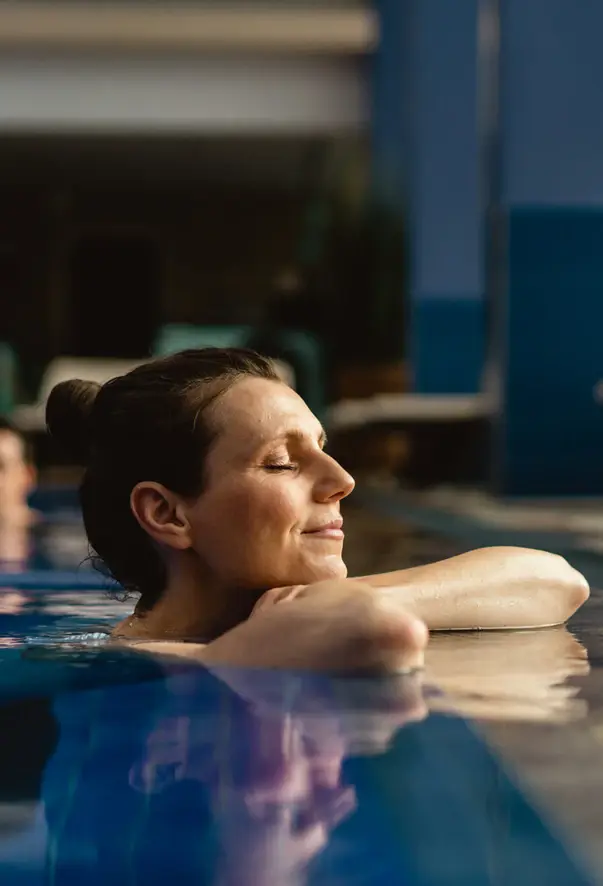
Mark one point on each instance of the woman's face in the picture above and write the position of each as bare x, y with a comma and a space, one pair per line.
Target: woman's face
269, 515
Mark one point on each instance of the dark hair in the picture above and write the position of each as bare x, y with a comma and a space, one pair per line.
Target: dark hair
146, 425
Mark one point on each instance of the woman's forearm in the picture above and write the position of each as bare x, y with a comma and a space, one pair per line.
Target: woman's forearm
491, 588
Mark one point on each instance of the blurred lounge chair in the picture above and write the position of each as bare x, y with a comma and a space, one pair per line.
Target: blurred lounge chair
31, 417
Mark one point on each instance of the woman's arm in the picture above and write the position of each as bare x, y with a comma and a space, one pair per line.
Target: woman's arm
491, 588
342, 627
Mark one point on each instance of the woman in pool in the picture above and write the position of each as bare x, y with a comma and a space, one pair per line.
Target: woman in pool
208, 491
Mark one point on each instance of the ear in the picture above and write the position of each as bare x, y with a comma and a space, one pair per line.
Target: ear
160, 513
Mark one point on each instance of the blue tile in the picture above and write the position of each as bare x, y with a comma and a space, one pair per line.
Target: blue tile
447, 342
552, 430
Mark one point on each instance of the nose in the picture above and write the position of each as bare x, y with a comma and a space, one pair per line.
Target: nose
334, 482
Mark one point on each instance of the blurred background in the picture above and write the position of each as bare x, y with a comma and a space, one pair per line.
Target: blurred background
400, 200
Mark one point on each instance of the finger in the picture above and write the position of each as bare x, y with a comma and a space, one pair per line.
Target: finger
329, 806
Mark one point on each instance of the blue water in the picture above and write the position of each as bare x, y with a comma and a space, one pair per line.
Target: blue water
123, 768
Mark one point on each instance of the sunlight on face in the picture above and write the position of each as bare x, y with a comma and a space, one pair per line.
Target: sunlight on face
270, 513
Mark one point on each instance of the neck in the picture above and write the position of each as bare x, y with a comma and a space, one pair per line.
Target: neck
14, 543
193, 607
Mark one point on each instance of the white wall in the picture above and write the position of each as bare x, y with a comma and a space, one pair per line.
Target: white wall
109, 92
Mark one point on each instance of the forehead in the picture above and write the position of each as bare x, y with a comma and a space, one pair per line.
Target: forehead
11, 447
255, 411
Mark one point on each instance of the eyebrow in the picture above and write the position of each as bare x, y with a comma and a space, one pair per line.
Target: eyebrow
300, 435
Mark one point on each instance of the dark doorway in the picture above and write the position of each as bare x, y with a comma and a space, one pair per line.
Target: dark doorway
115, 290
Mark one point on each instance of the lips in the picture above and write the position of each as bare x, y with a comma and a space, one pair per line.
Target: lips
332, 529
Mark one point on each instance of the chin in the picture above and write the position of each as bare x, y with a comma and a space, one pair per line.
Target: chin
331, 567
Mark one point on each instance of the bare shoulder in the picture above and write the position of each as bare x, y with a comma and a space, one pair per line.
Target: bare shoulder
130, 632
173, 648
122, 629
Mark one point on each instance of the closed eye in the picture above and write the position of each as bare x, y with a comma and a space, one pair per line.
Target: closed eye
287, 467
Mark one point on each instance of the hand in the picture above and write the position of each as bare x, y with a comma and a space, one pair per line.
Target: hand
380, 619
277, 595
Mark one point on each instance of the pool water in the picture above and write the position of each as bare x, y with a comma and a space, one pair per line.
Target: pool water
124, 768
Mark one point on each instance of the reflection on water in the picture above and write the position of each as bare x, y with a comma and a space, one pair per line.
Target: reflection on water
34, 618
262, 778
273, 768
521, 676
130, 768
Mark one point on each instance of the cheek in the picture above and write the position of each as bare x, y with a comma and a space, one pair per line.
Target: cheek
246, 514
246, 535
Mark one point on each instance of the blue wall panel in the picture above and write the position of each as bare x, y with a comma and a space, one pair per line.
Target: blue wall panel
550, 434
553, 427
426, 153
448, 344
552, 72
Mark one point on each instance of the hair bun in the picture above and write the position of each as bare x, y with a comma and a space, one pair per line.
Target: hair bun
68, 411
